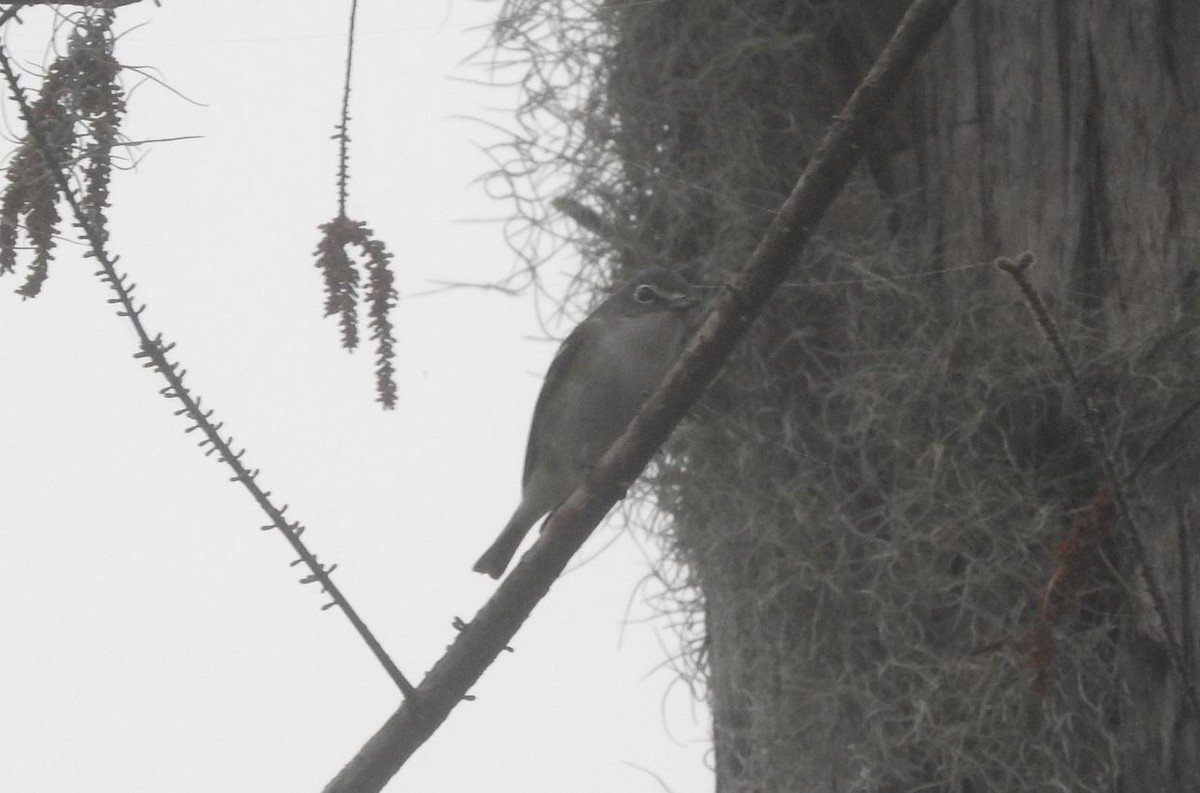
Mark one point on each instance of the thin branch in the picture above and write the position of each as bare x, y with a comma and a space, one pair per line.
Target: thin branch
155, 351
734, 309
343, 128
1133, 532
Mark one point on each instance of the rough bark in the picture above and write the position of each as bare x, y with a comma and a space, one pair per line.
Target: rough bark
912, 574
1072, 129
1069, 129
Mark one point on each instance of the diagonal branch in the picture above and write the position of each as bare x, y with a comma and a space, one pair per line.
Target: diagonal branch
734, 310
156, 351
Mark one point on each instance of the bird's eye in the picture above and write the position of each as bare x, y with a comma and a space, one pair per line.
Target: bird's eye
644, 293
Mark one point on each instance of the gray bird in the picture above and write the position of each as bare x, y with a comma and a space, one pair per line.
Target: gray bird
599, 379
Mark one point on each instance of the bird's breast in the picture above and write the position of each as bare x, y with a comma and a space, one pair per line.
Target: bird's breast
612, 379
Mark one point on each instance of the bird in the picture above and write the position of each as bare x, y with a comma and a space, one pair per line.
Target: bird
598, 380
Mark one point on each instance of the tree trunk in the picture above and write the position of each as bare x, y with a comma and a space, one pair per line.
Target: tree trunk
915, 571
1073, 130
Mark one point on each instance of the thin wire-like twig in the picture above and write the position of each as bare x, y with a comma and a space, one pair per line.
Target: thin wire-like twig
155, 351
1095, 432
343, 128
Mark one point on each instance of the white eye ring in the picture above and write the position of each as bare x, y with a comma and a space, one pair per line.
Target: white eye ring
644, 293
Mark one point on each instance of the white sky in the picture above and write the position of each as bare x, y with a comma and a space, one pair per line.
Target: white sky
153, 638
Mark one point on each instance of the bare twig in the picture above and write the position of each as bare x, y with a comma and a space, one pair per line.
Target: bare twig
1017, 270
734, 309
155, 351
343, 127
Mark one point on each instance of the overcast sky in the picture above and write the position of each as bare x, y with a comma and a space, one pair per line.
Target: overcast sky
153, 638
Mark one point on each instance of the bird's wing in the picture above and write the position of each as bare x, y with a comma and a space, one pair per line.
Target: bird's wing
559, 371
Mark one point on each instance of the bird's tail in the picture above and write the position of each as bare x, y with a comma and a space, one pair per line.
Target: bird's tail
496, 558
